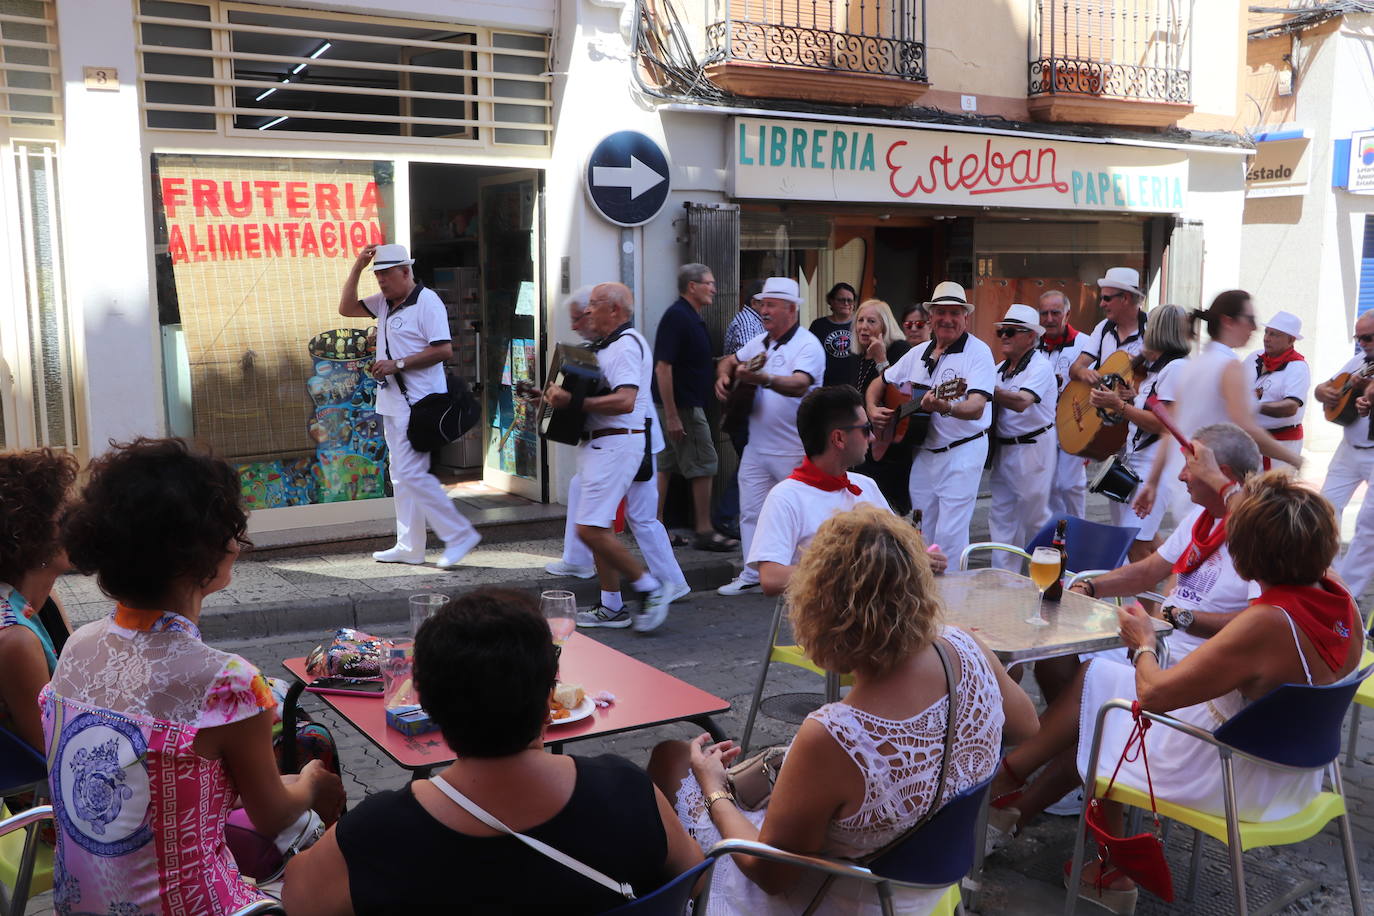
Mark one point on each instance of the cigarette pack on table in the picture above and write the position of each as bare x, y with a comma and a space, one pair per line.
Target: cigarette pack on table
410, 720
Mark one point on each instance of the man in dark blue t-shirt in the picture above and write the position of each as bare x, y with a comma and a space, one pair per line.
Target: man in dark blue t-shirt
684, 373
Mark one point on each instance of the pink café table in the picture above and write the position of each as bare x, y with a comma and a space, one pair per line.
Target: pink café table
645, 697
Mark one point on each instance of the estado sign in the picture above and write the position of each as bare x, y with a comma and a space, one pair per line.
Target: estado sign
804, 160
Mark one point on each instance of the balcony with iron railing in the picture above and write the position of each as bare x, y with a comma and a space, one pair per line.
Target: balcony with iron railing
869, 52
1111, 61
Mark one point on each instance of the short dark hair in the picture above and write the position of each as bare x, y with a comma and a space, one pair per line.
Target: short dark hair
484, 666
33, 487
839, 286
915, 307
823, 411
1229, 304
153, 512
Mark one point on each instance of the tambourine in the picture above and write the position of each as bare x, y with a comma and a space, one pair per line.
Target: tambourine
1115, 480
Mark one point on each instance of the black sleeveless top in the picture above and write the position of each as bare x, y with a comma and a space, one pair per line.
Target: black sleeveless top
401, 860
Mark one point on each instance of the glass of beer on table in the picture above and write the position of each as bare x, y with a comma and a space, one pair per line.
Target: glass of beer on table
560, 610
1044, 569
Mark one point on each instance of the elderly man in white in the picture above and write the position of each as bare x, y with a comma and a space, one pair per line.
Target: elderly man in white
1025, 447
1122, 329
1281, 379
793, 363
414, 339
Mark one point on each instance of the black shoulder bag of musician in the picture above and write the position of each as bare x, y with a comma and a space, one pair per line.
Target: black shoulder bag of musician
440, 418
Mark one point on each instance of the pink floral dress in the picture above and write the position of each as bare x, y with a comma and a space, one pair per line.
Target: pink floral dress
140, 814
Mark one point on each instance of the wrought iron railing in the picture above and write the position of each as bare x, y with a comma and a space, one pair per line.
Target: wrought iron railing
882, 37
1125, 49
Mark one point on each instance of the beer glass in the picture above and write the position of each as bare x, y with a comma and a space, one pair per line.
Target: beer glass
1044, 569
560, 610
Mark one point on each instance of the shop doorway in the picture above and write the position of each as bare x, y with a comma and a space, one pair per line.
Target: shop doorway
476, 238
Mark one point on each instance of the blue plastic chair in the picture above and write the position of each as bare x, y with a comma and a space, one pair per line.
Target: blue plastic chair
1252, 733
25, 866
1091, 545
669, 900
936, 856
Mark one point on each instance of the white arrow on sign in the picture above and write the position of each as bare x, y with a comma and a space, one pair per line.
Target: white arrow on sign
638, 177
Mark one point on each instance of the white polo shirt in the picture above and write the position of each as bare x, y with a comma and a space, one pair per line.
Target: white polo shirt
627, 362
773, 421
1161, 383
406, 329
794, 510
1063, 358
1214, 586
968, 358
1104, 341
1036, 378
1358, 433
1292, 380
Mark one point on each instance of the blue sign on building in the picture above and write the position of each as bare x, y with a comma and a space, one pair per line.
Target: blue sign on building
627, 178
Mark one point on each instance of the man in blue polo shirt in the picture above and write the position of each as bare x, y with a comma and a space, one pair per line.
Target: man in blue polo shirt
684, 372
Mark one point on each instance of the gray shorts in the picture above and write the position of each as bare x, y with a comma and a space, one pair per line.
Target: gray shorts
695, 454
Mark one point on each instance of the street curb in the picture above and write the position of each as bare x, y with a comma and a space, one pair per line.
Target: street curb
364, 609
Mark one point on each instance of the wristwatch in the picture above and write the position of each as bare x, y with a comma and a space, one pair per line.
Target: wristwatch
719, 795
400, 364
1180, 618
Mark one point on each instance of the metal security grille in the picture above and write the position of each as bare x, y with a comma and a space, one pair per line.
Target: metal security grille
237, 68
883, 37
30, 92
1125, 49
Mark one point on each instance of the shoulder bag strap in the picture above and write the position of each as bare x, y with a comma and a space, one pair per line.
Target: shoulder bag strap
567, 861
386, 343
939, 785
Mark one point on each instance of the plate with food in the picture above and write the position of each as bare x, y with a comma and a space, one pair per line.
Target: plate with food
569, 703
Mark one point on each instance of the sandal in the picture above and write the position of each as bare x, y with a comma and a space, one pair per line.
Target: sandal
1009, 798
1119, 901
715, 542
679, 540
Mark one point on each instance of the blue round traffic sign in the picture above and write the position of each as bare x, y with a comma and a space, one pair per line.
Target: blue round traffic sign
627, 178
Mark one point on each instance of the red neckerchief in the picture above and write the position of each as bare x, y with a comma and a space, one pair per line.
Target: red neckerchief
813, 476
1275, 363
1050, 344
1325, 612
1206, 541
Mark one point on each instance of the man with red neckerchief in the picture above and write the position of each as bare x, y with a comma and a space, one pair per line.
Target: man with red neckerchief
835, 433
1061, 344
1280, 378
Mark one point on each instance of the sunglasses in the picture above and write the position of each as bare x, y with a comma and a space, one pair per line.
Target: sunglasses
913, 325
866, 427
1108, 297
1011, 332
1365, 338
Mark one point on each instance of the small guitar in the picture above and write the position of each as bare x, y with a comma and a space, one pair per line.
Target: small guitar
1352, 384
1095, 432
739, 402
910, 424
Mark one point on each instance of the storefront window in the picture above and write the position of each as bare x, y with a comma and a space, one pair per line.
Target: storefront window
250, 254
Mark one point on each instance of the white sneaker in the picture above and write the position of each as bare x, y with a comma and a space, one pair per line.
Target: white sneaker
678, 590
601, 616
560, 568
740, 586
653, 609
1070, 805
397, 555
455, 551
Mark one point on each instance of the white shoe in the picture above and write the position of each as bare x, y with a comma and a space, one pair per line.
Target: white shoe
1001, 828
653, 609
740, 586
397, 555
1068, 806
598, 615
455, 551
561, 568
678, 590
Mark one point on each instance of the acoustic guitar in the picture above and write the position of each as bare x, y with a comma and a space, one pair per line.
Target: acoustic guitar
910, 424
739, 401
1352, 384
1095, 432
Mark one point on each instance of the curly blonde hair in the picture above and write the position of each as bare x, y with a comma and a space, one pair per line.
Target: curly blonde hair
863, 596
1282, 532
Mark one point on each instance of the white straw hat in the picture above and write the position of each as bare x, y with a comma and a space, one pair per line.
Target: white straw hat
1127, 278
388, 256
950, 293
1022, 316
780, 288
1286, 323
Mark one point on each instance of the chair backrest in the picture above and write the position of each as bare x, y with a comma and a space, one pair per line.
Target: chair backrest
1091, 545
1294, 725
943, 850
20, 765
669, 900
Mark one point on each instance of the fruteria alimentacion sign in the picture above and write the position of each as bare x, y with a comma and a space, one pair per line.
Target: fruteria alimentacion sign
804, 160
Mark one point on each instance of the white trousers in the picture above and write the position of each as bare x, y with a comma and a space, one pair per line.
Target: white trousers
1069, 490
758, 473
944, 486
419, 495
1020, 483
1349, 468
641, 513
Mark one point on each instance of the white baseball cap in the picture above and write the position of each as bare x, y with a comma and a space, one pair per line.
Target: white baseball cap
388, 256
1286, 323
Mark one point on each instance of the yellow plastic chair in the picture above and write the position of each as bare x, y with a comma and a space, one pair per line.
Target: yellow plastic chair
1250, 734
1363, 697
788, 655
21, 876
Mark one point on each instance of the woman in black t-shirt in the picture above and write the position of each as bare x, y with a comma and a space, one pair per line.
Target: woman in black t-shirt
484, 669
835, 332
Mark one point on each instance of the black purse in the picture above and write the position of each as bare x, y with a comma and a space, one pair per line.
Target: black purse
440, 418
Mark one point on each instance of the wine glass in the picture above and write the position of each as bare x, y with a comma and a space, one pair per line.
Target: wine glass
1044, 569
560, 610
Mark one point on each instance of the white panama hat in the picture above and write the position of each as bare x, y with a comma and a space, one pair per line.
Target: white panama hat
947, 292
1127, 278
388, 256
780, 288
1286, 323
1022, 316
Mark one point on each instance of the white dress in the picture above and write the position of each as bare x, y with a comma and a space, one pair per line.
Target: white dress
900, 761
1184, 770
